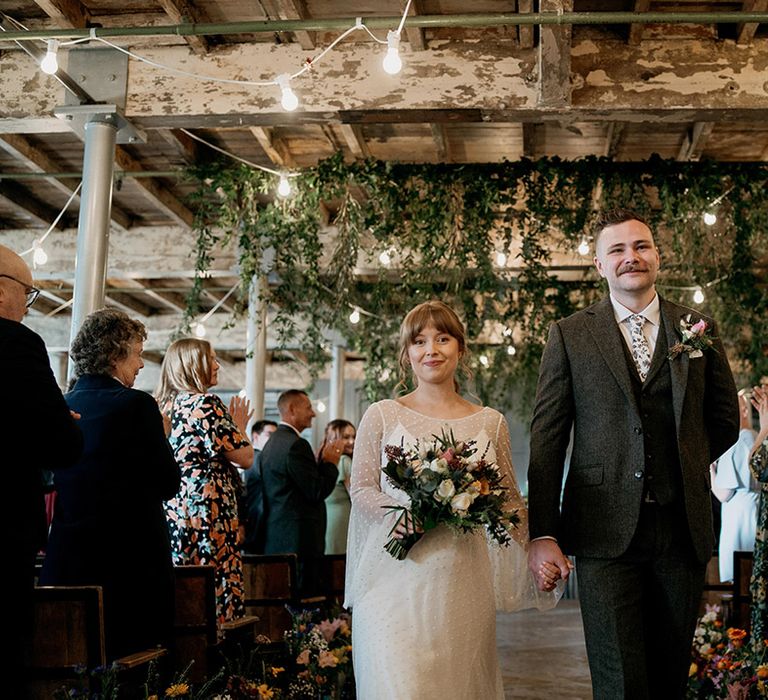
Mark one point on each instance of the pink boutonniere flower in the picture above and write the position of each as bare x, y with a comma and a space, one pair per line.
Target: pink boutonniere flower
695, 338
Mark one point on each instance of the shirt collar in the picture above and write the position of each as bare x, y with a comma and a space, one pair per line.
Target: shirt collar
652, 312
282, 422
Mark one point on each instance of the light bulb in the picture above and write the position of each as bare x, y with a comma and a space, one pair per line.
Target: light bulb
583, 248
698, 296
501, 259
284, 186
321, 406
288, 98
354, 317
242, 393
385, 375
199, 330
39, 256
392, 63
507, 331
484, 360
511, 350
385, 258
50, 62
709, 218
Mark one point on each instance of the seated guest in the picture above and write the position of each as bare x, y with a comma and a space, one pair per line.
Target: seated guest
338, 505
254, 489
207, 439
109, 527
32, 407
737, 490
295, 488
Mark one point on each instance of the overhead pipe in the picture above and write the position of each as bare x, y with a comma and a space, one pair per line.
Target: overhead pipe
496, 19
118, 174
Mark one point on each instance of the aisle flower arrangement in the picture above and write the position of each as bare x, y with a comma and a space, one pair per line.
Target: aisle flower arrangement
723, 665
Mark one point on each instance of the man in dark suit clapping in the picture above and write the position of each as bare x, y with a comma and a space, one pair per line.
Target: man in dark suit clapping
32, 411
650, 411
295, 487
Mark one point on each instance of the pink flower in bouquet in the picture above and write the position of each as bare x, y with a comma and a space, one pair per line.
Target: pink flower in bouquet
328, 628
327, 659
699, 327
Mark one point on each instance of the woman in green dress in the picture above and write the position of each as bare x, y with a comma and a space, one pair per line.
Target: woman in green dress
338, 503
759, 582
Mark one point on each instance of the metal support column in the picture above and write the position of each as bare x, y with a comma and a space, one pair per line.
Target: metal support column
336, 408
93, 224
256, 343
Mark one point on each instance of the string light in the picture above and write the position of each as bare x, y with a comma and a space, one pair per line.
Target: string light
698, 296
710, 218
242, 393
284, 186
484, 360
354, 317
583, 248
385, 258
511, 350
50, 62
39, 256
200, 330
288, 98
392, 62
501, 258
321, 407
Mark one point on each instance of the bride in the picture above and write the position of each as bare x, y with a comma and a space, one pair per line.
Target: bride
425, 627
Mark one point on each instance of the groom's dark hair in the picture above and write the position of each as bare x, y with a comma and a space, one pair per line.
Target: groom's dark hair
611, 217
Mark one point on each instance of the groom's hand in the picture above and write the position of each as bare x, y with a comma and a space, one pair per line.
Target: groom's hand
548, 563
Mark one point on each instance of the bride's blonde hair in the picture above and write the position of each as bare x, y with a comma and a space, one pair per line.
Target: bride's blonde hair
445, 320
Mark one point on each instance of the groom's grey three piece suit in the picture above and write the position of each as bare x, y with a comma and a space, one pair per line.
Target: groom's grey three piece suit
636, 509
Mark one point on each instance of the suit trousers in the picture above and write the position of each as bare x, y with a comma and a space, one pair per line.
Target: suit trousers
640, 609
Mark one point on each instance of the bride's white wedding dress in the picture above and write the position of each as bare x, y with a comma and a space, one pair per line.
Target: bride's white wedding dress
425, 627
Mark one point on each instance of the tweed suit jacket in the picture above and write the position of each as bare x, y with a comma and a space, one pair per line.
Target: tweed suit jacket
585, 384
295, 488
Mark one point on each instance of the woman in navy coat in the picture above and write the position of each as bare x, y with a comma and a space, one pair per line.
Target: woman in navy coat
109, 527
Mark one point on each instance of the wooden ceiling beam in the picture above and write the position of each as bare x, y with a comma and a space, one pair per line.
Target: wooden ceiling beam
154, 190
170, 301
185, 11
613, 138
291, 9
416, 37
70, 14
694, 141
525, 31
38, 161
353, 135
273, 146
20, 198
554, 58
439, 136
636, 30
186, 147
745, 32
127, 304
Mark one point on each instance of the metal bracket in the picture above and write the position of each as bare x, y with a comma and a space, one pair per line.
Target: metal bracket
77, 116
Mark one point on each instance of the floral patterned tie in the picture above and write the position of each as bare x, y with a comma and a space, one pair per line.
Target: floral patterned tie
641, 351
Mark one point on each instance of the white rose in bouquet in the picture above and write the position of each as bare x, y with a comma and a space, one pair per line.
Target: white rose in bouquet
439, 465
461, 502
445, 491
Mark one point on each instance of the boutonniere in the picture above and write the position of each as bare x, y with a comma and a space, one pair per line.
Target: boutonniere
695, 338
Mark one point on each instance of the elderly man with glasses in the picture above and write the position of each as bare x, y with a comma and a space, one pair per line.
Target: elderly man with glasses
32, 411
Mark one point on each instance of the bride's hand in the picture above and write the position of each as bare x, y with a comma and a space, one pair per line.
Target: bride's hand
406, 526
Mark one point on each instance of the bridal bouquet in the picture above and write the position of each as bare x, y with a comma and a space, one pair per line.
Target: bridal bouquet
449, 483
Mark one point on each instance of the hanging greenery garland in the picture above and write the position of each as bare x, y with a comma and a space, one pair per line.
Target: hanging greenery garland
440, 230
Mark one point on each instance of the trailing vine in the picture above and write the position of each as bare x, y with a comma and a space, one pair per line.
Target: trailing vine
443, 225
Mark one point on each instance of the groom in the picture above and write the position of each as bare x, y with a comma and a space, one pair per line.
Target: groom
636, 508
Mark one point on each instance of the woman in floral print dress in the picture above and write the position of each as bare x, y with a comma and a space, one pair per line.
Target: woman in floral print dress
207, 440
759, 582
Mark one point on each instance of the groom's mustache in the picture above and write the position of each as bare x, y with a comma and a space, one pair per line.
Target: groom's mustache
632, 268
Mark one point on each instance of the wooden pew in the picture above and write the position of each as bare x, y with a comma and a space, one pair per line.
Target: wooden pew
742, 596
69, 632
270, 585
332, 572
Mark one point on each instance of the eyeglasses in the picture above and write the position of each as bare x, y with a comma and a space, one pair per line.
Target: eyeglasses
31, 292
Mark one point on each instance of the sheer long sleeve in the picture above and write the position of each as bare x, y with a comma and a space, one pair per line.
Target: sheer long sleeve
513, 583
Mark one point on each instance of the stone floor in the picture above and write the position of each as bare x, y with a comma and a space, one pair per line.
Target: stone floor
542, 655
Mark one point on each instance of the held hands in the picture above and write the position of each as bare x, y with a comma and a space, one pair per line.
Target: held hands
406, 525
331, 451
548, 564
240, 410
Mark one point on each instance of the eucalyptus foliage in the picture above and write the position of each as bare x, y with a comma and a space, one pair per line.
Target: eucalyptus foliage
443, 224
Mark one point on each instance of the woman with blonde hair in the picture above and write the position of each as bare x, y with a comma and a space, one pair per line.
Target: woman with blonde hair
425, 627
207, 440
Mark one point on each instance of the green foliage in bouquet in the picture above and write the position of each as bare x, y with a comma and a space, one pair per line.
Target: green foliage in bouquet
722, 664
447, 483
